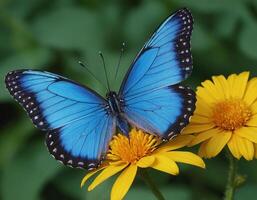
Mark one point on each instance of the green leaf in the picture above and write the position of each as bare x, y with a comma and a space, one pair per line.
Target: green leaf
22, 8
28, 59
69, 182
174, 192
247, 40
140, 192
226, 24
201, 40
68, 28
142, 21
248, 192
211, 6
25, 176
13, 137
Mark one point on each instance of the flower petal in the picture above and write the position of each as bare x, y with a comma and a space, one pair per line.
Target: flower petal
254, 108
231, 81
202, 150
164, 164
186, 157
204, 136
205, 95
240, 84
249, 133
245, 147
195, 128
105, 174
146, 161
232, 145
216, 143
123, 183
198, 119
222, 85
176, 143
202, 108
250, 93
91, 173
252, 121
212, 91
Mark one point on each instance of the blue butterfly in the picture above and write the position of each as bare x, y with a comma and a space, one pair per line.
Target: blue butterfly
80, 123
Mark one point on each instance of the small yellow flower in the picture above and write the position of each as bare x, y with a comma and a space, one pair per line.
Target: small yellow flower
226, 114
140, 150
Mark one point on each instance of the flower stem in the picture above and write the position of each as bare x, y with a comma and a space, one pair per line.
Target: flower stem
232, 175
147, 179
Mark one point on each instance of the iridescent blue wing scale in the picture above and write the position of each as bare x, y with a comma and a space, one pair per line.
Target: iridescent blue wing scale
76, 118
153, 98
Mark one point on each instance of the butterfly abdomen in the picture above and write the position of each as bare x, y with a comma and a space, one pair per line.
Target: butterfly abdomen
115, 109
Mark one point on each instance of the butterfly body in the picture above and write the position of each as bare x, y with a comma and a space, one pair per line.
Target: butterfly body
80, 123
115, 107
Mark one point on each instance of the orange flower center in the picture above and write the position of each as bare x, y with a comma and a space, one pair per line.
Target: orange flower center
231, 114
131, 149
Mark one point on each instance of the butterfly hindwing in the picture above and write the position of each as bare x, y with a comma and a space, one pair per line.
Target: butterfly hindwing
164, 111
78, 124
153, 100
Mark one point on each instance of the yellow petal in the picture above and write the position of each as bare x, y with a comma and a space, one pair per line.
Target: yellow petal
245, 148
212, 91
231, 81
89, 174
255, 151
216, 143
202, 108
198, 119
164, 164
250, 93
123, 183
176, 143
232, 145
146, 161
252, 121
249, 133
204, 136
222, 85
105, 174
186, 157
195, 128
202, 150
240, 84
254, 108
205, 95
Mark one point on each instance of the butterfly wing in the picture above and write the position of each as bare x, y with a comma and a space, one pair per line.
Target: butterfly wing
153, 100
78, 124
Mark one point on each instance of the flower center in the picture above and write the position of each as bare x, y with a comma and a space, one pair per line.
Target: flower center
131, 149
231, 114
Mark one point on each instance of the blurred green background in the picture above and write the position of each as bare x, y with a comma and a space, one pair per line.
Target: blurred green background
54, 35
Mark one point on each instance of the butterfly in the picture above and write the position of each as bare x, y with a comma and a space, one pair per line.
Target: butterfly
80, 123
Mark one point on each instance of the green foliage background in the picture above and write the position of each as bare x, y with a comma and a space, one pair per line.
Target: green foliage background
54, 34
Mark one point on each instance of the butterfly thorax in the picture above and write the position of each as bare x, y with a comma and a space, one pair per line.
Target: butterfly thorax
114, 103
115, 107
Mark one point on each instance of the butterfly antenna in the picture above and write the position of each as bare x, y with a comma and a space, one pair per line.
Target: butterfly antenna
106, 77
85, 67
121, 53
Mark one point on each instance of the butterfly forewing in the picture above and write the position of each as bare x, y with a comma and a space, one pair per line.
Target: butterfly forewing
78, 124
153, 99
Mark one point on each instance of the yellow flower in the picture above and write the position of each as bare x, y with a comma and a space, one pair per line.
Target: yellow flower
140, 150
226, 114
